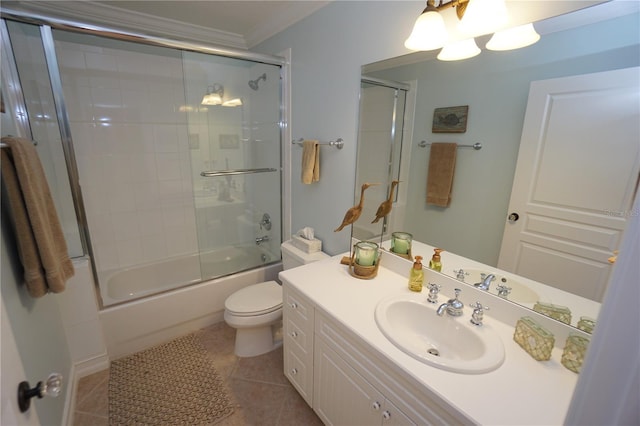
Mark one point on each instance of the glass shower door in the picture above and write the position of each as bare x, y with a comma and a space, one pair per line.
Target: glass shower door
233, 114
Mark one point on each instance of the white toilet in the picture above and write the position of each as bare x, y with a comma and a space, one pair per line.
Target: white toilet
256, 311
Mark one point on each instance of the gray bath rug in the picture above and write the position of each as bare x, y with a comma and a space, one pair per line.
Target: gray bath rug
171, 384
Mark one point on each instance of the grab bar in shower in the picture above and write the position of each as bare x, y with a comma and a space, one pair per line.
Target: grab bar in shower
214, 173
338, 143
477, 146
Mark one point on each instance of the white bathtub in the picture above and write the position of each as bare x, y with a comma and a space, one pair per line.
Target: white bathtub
152, 278
139, 324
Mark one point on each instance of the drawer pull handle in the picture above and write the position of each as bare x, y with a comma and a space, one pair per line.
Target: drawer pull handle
386, 415
376, 405
294, 334
294, 371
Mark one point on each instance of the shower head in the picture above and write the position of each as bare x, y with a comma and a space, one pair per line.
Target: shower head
254, 83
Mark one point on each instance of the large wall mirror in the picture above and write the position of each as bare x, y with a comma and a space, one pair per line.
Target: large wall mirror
398, 98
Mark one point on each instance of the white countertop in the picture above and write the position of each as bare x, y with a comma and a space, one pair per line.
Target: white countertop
521, 391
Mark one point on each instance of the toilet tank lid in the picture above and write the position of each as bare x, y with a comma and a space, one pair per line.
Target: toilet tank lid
300, 255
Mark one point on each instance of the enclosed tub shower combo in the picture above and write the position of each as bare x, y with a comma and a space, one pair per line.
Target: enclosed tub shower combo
165, 158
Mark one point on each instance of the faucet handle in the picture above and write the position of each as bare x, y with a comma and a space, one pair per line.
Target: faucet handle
460, 274
434, 289
503, 290
478, 313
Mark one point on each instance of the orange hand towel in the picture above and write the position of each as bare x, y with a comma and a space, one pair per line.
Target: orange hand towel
41, 245
310, 162
442, 165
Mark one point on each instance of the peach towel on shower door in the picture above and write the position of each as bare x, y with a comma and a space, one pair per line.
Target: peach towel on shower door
39, 238
310, 162
442, 165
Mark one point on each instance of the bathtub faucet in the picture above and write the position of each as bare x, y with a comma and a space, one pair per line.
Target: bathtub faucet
262, 239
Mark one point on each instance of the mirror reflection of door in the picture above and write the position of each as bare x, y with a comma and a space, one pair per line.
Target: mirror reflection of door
380, 134
576, 174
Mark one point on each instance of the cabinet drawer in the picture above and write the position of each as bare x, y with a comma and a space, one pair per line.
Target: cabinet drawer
299, 370
298, 309
300, 337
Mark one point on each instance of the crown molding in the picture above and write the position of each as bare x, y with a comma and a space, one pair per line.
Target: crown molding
295, 11
113, 17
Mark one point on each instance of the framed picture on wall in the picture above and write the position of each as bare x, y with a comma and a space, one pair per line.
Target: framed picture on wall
450, 119
229, 141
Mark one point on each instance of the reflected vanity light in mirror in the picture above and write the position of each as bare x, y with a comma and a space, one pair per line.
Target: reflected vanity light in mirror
459, 50
513, 38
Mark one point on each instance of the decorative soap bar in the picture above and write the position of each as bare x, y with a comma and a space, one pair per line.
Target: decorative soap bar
534, 339
574, 351
560, 313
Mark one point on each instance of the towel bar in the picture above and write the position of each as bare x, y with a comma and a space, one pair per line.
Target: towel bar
338, 143
236, 172
477, 146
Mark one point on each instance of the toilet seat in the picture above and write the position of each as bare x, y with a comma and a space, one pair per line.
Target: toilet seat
256, 299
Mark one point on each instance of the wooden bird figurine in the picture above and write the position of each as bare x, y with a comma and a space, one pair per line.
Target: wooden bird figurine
385, 206
354, 212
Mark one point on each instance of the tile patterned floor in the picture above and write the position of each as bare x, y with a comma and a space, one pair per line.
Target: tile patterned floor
263, 394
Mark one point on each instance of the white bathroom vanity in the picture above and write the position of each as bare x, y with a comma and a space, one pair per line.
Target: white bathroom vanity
349, 372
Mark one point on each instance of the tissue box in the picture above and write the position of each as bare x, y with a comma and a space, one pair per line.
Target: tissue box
307, 246
534, 339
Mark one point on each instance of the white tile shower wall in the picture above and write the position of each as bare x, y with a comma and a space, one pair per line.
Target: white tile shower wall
131, 143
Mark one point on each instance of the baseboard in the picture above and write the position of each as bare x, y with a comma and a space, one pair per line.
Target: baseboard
78, 371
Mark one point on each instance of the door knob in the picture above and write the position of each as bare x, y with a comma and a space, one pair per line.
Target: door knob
513, 217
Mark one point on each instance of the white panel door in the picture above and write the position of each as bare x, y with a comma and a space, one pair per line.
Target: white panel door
576, 174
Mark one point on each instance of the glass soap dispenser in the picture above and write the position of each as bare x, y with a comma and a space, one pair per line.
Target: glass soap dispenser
435, 262
416, 276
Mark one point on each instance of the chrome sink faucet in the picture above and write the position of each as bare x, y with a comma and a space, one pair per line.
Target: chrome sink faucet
486, 281
453, 306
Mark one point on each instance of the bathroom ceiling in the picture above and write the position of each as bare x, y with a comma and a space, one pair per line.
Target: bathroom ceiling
246, 18
239, 23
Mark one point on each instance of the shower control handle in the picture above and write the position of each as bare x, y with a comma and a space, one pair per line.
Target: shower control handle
265, 222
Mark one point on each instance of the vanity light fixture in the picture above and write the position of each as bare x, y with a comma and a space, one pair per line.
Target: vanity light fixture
429, 31
459, 50
215, 94
477, 17
513, 38
483, 16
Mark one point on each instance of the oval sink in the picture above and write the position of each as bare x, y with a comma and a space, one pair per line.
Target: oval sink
448, 343
520, 293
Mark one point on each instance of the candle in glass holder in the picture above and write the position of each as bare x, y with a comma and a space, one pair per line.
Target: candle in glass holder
401, 242
366, 253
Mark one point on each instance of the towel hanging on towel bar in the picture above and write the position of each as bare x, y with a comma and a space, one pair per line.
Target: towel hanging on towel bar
41, 244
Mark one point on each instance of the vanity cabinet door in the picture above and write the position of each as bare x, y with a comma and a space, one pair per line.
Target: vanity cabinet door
297, 321
344, 397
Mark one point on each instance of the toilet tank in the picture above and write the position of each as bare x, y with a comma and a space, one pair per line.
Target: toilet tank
293, 257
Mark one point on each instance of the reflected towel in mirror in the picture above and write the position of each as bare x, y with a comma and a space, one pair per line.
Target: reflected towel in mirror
442, 165
310, 161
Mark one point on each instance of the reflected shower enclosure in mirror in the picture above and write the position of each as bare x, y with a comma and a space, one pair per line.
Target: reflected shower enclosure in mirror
495, 85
